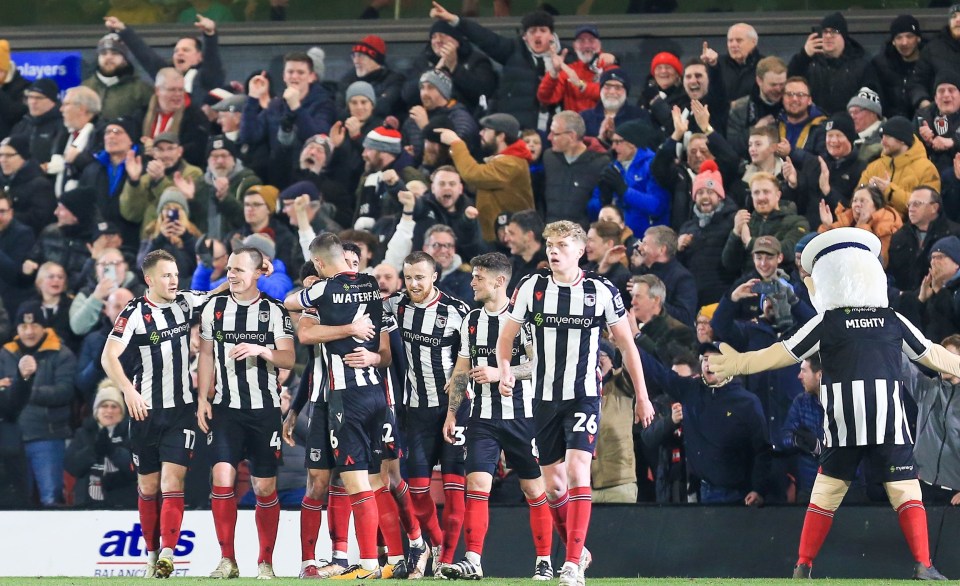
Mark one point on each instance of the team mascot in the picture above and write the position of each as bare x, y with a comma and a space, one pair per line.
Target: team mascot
860, 341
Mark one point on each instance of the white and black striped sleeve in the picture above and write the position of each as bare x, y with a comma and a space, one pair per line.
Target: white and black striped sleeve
127, 323
312, 294
464, 351
806, 341
613, 310
206, 322
195, 299
522, 301
388, 323
915, 344
280, 322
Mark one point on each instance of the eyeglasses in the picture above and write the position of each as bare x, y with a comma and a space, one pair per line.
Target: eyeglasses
829, 32
443, 246
110, 264
617, 141
254, 204
796, 94
8, 155
916, 204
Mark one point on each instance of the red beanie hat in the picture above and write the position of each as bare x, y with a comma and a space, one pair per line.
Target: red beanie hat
710, 178
666, 58
372, 46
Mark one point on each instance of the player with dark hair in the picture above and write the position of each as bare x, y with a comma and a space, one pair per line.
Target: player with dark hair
160, 400
497, 422
244, 338
568, 309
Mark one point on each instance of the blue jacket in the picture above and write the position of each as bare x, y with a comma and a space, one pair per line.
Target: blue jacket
276, 285
681, 286
593, 118
806, 412
645, 203
724, 432
314, 116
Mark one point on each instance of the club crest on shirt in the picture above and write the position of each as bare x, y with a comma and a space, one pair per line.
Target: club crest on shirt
120, 325
264, 316
183, 305
442, 321
287, 323
590, 299
618, 302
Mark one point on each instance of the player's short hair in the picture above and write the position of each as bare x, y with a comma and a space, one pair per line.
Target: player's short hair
564, 229
326, 246
816, 366
764, 176
607, 230
418, 257
495, 262
439, 228
153, 258
351, 247
655, 287
666, 237
771, 64
528, 221
255, 255
768, 131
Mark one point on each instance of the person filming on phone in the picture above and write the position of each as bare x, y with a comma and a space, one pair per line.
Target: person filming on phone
112, 273
172, 231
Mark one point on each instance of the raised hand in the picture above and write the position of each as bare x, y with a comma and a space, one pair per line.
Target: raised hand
708, 55
186, 186
133, 166
207, 25
113, 23
440, 13
258, 86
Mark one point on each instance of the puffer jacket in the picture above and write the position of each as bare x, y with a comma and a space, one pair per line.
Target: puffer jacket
906, 171
127, 97
314, 116
46, 134
833, 81
47, 412
645, 203
702, 255
883, 223
894, 75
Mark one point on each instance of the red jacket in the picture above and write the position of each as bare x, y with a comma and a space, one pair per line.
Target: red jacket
558, 90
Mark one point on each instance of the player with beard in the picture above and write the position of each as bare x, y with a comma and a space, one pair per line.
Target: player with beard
121, 91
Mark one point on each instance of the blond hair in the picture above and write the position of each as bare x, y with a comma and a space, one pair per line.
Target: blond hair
764, 176
564, 229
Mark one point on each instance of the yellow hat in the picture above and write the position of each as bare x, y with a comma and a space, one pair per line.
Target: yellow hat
269, 194
4, 56
707, 310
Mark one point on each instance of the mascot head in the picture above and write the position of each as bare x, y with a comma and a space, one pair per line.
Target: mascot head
845, 270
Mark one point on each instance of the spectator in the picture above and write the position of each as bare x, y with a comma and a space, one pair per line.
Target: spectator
16, 242
534, 143
612, 110
436, 154
80, 109
212, 258
107, 176
574, 86
605, 255
146, 183
100, 457
304, 109
664, 438
172, 230
229, 113
659, 250
701, 240
43, 124
197, 59
502, 183
571, 170
802, 431
40, 369
936, 450
761, 106
121, 91
940, 55
612, 213
436, 100
388, 279
361, 120
903, 165
455, 274
112, 273
170, 112
369, 57
12, 86
368, 244
767, 219
275, 285
867, 114
613, 471
799, 117
524, 238
89, 370
217, 196
323, 166
655, 331
910, 245
524, 62
20, 176
472, 72
700, 84
725, 435
767, 258
867, 211
797, 275
259, 205
935, 305
894, 65
761, 148
303, 206
385, 164
65, 241
834, 64
664, 82
738, 66
703, 328
939, 123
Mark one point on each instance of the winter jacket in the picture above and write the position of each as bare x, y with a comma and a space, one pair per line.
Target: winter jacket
945, 126
615, 462
375, 199
86, 310
593, 117
681, 301
12, 106
559, 90
937, 317
387, 85
315, 115
207, 75
16, 242
798, 134
32, 196
667, 338
66, 246
805, 415
473, 77
644, 204
184, 254
108, 180
739, 79
287, 247
277, 285
745, 111
784, 226
941, 54
102, 463
844, 175
138, 200
570, 186
190, 125
937, 447
46, 415
906, 171
893, 75
216, 217
702, 255
833, 81
502, 182
460, 121
725, 434
883, 223
909, 258
46, 134
715, 100
127, 97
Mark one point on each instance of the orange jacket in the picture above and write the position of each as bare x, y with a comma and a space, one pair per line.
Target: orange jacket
883, 223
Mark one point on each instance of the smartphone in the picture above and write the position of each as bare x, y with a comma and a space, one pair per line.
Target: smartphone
173, 215
816, 30
764, 288
110, 272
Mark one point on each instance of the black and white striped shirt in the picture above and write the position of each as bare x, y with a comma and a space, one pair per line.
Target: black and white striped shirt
860, 388
567, 320
161, 335
343, 299
250, 383
478, 343
431, 338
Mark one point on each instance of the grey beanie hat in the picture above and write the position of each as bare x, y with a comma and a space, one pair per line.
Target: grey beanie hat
439, 80
173, 195
867, 99
362, 88
263, 243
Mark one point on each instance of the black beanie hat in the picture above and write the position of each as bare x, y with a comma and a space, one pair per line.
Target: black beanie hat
844, 123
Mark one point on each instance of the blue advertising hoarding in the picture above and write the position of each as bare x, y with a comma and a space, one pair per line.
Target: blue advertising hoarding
64, 67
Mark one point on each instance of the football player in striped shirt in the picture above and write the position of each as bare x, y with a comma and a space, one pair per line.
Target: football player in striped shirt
497, 422
568, 309
429, 322
245, 337
160, 400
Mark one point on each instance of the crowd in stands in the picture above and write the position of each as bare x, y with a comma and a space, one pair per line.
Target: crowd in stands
700, 182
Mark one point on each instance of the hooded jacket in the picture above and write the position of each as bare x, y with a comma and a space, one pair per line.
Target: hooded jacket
502, 182
645, 203
906, 171
833, 81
